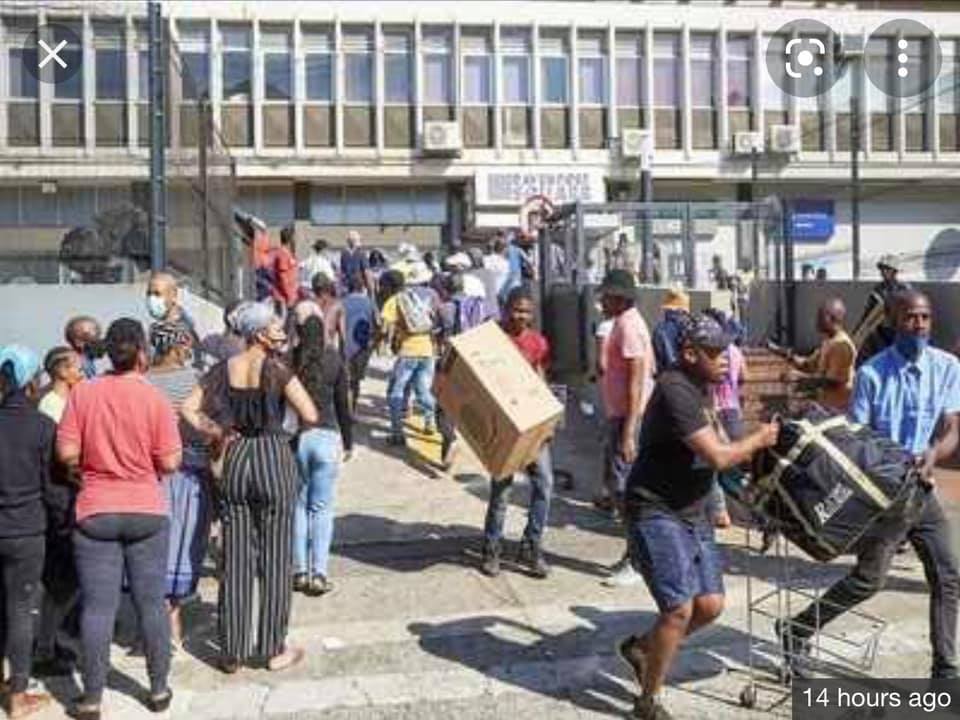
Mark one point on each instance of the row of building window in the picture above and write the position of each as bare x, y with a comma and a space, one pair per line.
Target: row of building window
484, 72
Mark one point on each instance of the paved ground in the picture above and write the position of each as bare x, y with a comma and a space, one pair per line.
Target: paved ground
413, 630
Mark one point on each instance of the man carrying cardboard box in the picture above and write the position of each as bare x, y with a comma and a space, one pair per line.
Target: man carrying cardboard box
518, 318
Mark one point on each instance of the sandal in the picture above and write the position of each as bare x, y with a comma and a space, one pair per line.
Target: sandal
318, 586
301, 582
287, 659
23, 704
160, 703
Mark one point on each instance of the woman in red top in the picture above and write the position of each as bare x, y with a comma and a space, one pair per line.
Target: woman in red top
122, 434
518, 318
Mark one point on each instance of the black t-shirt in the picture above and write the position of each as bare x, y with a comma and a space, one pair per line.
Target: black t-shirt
667, 473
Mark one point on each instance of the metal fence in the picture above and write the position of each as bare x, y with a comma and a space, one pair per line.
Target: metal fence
202, 245
96, 229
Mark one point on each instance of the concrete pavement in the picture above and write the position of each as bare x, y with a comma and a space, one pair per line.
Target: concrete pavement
413, 630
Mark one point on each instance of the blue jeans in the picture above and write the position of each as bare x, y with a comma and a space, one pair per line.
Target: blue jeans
407, 370
540, 475
318, 454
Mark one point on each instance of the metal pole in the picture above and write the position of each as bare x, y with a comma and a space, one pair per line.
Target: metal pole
754, 175
158, 190
855, 134
646, 197
204, 136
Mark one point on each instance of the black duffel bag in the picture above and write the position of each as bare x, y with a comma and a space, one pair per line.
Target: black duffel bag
828, 480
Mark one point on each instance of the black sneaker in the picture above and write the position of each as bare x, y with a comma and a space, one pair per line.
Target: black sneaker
646, 707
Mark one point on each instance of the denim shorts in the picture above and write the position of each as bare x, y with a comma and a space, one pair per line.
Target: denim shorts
678, 560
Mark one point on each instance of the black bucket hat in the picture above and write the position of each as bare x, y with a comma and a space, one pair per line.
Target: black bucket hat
619, 283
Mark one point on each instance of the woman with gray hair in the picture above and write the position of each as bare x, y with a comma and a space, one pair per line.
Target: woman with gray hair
239, 407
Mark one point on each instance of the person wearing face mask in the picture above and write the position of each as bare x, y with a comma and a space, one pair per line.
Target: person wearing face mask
121, 433
26, 449
188, 488
239, 408
82, 333
163, 305
911, 393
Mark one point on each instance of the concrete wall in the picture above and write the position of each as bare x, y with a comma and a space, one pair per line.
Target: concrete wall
809, 295
35, 315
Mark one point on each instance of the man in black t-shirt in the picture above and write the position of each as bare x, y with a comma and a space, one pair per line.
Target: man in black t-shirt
670, 538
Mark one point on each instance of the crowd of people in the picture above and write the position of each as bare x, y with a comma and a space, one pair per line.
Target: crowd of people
125, 452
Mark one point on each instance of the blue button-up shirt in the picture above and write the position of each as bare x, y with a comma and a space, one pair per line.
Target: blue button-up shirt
905, 400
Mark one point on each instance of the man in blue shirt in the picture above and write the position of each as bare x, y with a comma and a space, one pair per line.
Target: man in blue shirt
907, 391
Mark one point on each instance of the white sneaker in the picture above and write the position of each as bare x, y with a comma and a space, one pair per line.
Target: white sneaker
623, 576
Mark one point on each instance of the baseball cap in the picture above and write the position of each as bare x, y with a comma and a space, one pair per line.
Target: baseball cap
705, 332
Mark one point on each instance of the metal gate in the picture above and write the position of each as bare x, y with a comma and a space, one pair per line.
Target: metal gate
694, 245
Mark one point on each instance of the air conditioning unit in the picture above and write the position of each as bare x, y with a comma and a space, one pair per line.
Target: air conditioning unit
785, 139
746, 143
635, 143
441, 138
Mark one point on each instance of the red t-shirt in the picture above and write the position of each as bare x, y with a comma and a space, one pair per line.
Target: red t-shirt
123, 425
285, 271
534, 347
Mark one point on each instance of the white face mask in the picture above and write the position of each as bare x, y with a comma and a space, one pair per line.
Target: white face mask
157, 307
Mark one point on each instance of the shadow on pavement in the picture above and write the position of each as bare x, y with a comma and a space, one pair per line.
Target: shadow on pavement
578, 665
412, 547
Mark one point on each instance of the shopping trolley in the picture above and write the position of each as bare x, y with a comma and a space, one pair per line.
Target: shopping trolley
845, 648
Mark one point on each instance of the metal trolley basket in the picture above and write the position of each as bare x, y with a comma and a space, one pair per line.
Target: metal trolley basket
850, 650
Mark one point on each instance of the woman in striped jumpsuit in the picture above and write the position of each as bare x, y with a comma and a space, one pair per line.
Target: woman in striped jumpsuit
240, 406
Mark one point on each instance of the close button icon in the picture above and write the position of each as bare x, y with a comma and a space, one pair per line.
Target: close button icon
53, 54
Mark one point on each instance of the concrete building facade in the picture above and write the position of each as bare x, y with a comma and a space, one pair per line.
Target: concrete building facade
433, 122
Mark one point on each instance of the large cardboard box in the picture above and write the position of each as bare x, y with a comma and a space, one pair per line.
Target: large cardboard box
503, 409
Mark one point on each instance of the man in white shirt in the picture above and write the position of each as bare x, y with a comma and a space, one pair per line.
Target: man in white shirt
316, 263
498, 268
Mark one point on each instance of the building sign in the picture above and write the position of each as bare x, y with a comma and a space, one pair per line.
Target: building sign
513, 185
811, 220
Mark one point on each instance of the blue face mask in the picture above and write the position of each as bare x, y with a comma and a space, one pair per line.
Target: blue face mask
910, 346
156, 306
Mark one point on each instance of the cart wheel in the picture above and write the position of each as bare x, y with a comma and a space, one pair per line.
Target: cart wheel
748, 696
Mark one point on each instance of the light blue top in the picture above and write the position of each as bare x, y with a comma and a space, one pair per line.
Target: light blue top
905, 400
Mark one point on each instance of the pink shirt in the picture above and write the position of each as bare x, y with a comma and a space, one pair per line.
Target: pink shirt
629, 339
726, 395
123, 425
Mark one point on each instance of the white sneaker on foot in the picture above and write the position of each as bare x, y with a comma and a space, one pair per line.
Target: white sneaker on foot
623, 576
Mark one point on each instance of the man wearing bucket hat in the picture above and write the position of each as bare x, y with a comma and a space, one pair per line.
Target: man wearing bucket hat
875, 330
26, 444
626, 385
671, 542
